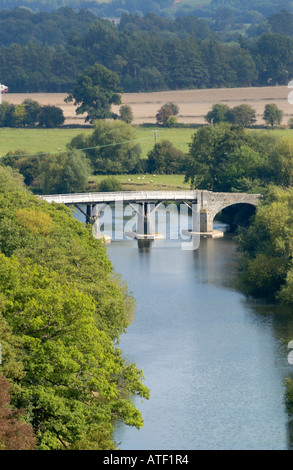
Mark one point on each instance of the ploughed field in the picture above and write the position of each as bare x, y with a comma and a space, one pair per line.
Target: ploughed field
193, 104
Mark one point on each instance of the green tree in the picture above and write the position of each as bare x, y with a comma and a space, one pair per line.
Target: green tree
218, 113
244, 115
95, 92
33, 109
71, 366
272, 115
281, 163
164, 158
64, 173
111, 148
219, 156
126, 114
275, 56
6, 113
50, 116
266, 247
63, 308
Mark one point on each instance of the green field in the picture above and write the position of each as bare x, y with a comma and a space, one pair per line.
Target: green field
31, 141
48, 141
146, 182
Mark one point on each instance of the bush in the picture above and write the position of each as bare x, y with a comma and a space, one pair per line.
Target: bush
110, 184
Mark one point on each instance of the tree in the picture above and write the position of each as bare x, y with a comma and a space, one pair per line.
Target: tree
244, 115
272, 115
220, 156
218, 113
165, 158
111, 148
51, 116
63, 307
275, 56
266, 247
281, 163
126, 114
14, 433
95, 92
33, 109
166, 114
6, 112
64, 173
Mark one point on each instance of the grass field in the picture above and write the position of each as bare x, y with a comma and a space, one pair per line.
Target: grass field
31, 141
147, 182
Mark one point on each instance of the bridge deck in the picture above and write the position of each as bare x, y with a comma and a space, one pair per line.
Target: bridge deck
123, 196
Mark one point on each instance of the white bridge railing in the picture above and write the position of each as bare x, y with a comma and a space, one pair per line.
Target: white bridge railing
127, 196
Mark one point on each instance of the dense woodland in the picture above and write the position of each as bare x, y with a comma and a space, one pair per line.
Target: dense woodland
63, 381
44, 52
217, 12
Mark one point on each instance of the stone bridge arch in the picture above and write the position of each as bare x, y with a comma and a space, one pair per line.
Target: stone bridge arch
212, 203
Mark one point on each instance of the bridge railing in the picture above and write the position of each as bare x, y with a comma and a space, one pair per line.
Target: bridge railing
127, 196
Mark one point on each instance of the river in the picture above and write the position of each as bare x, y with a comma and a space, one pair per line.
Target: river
214, 360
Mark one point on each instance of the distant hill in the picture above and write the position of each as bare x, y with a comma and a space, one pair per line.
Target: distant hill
241, 11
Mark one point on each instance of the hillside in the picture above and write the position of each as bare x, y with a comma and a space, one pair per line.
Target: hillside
218, 10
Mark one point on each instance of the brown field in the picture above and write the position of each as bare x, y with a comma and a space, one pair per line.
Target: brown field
193, 104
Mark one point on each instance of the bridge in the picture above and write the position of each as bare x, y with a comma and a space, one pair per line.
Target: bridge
205, 205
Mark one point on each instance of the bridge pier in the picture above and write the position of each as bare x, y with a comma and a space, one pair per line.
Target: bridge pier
206, 221
92, 216
144, 222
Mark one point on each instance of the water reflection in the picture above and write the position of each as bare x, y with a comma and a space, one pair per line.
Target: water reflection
144, 246
215, 360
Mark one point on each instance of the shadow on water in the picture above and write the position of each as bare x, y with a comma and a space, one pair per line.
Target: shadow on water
144, 246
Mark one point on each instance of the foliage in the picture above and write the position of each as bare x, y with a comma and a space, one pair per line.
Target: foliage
126, 114
31, 114
94, 93
35, 221
14, 434
51, 116
147, 53
165, 159
272, 115
221, 156
110, 184
62, 311
166, 116
243, 115
64, 173
219, 113
266, 247
111, 148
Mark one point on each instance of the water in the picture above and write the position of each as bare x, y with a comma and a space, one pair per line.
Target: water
215, 361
